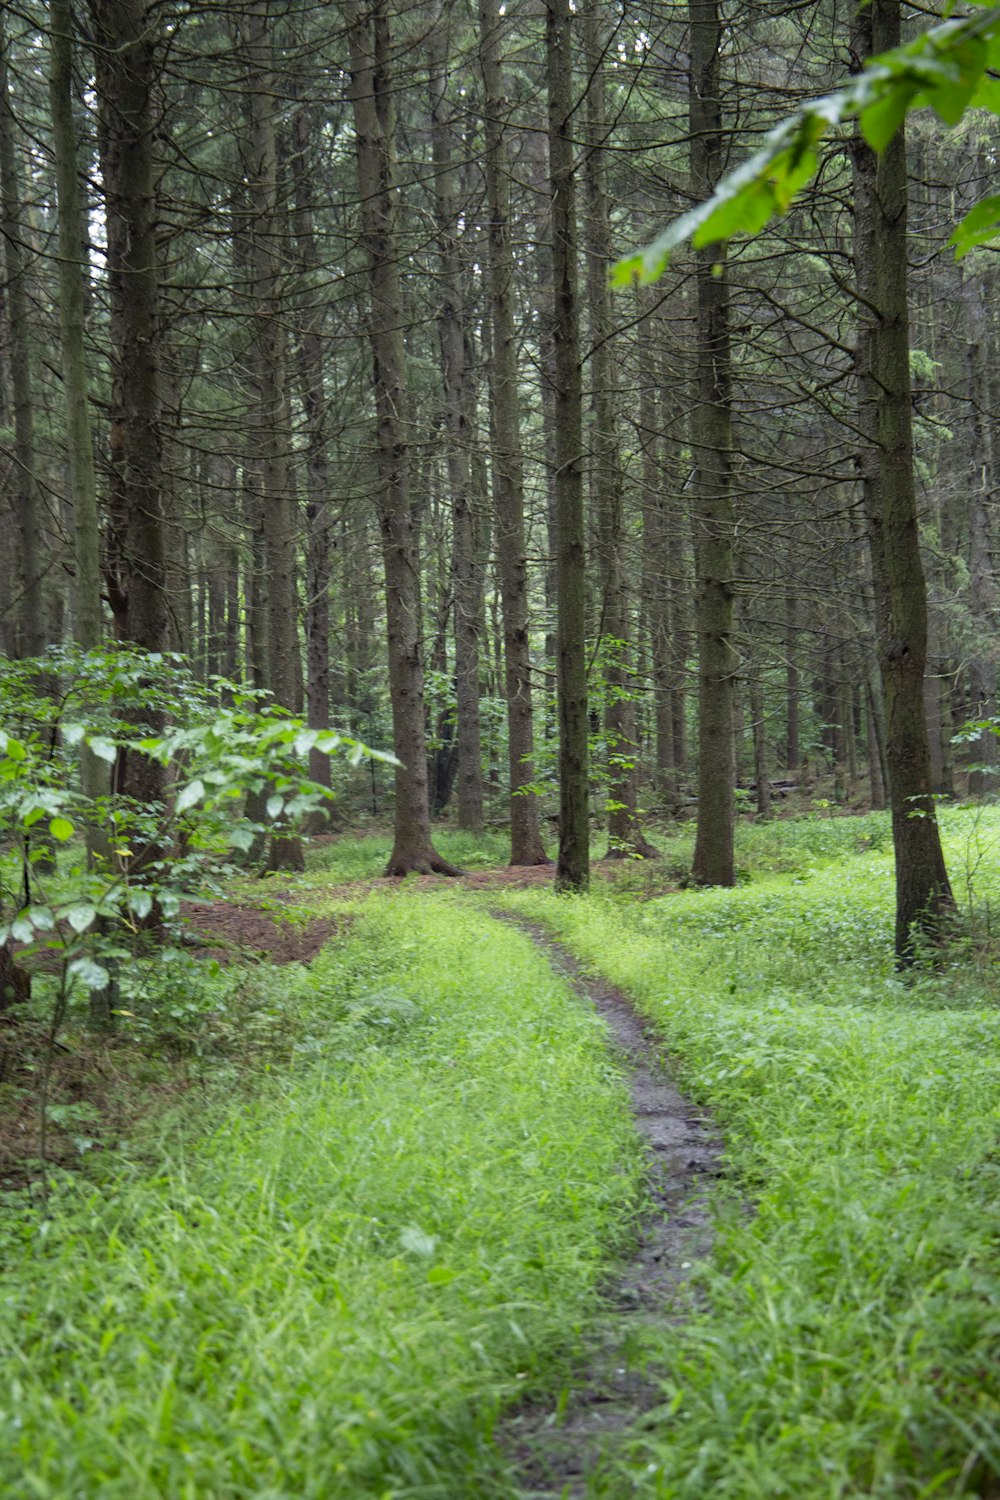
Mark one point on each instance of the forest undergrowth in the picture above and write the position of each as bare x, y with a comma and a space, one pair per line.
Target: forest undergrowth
327, 1273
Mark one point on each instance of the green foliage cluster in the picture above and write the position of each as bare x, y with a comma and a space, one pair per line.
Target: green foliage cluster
846, 1340
219, 742
331, 1295
950, 68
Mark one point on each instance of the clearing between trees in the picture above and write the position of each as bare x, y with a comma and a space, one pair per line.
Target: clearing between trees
385, 1225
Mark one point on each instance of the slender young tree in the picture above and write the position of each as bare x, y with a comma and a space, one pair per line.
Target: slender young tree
625, 835
32, 628
270, 422
508, 462
452, 340
311, 371
712, 443
573, 864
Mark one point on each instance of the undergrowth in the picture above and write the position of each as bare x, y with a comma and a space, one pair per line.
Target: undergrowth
850, 1328
328, 1288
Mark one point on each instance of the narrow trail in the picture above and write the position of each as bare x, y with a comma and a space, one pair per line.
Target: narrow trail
556, 1449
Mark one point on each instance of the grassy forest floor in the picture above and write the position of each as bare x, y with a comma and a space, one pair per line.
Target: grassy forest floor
353, 1223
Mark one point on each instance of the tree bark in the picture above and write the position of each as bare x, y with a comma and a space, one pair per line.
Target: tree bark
305, 124
371, 94
923, 893
126, 34
270, 425
451, 320
508, 464
573, 864
27, 500
983, 593
625, 835
72, 327
711, 439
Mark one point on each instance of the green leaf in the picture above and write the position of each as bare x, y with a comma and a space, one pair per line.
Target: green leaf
418, 1241
881, 120
42, 917
987, 95
103, 749
951, 97
93, 975
141, 903
14, 750
22, 929
61, 829
980, 225
80, 916
190, 794
72, 734
943, 68
274, 806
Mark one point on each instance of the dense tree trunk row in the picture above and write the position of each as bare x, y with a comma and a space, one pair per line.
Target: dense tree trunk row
272, 316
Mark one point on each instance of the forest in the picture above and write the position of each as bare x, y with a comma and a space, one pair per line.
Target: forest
499, 839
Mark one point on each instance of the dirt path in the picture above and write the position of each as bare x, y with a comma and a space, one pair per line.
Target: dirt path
555, 1449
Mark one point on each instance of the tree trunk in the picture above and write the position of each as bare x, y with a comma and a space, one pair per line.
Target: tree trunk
126, 35
793, 754
270, 424
983, 598
27, 500
625, 836
508, 465
711, 439
371, 94
72, 326
573, 865
759, 727
451, 320
923, 893
305, 126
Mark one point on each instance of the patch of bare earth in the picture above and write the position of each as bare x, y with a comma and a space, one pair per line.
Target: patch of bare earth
557, 1447
233, 930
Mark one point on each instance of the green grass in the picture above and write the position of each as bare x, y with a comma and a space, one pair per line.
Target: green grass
329, 1287
849, 1341
329, 1283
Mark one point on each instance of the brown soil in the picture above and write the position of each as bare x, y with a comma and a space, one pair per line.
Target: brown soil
232, 931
